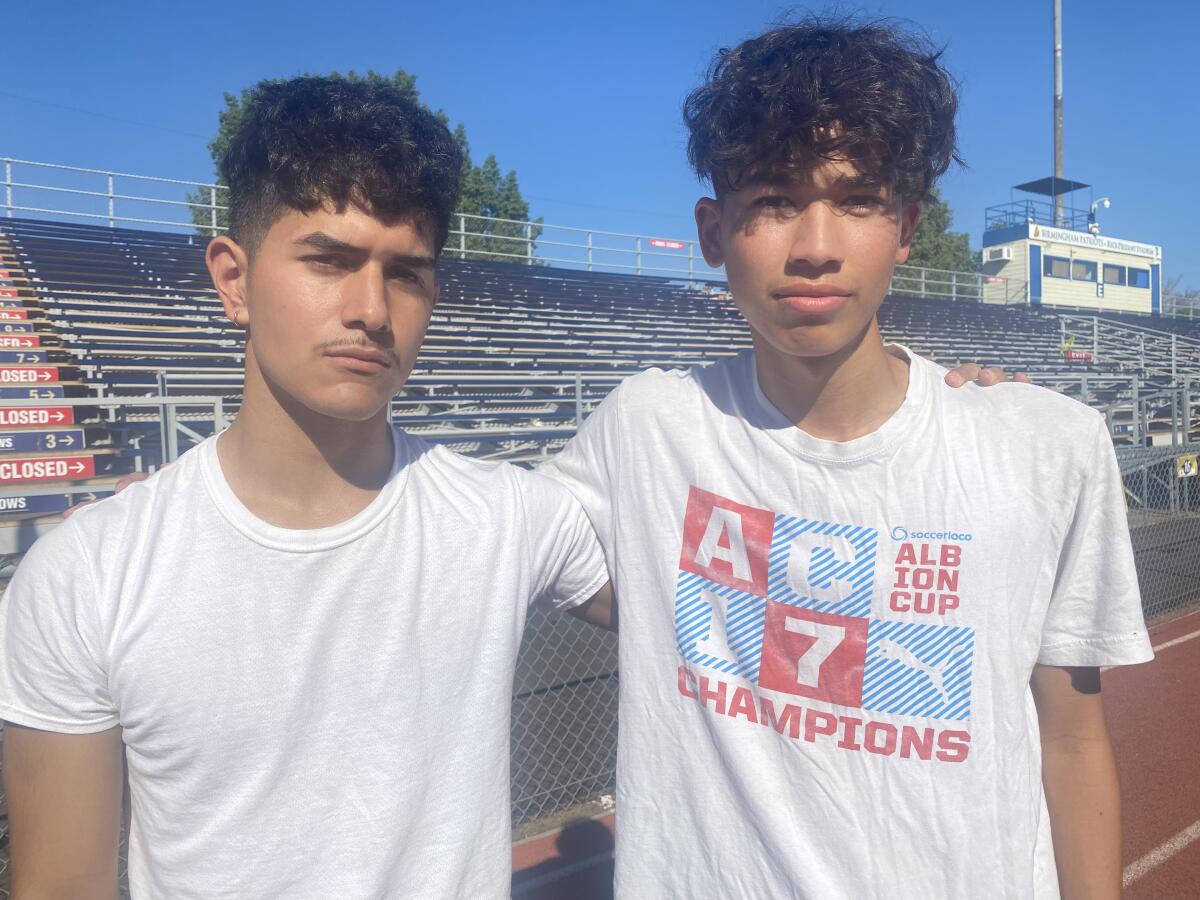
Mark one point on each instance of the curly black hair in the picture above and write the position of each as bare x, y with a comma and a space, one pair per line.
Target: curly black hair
820, 89
313, 140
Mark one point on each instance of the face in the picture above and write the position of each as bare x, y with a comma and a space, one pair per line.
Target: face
336, 305
809, 261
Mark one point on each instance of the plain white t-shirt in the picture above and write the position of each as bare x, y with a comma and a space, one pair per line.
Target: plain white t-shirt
826, 647
306, 714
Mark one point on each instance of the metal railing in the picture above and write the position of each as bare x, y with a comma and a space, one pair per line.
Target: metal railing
1030, 212
101, 196
108, 201
1152, 351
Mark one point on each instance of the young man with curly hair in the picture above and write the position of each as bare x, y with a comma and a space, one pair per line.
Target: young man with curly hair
862, 615
304, 631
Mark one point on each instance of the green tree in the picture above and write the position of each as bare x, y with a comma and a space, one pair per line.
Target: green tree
486, 193
488, 196
934, 246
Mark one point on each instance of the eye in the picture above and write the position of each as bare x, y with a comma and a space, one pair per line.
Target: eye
325, 262
407, 276
864, 203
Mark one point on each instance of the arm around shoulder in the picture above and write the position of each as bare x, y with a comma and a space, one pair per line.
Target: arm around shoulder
64, 809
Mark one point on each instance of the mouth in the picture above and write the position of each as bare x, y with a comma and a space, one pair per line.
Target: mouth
811, 298
360, 360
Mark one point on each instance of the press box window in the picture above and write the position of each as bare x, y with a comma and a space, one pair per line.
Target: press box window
1114, 274
1056, 267
1083, 270
1139, 278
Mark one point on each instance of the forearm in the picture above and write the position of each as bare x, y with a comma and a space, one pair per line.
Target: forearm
1083, 797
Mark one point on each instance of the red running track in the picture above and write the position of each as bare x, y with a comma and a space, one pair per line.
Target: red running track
1153, 714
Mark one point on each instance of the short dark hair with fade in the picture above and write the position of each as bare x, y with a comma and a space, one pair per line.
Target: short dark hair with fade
312, 140
825, 88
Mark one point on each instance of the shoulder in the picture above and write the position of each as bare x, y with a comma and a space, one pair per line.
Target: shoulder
102, 530
120, 517
442, 475
652, 388
1025, 415
483, 490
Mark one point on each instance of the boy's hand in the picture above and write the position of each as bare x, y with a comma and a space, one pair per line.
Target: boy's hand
122, 483
968, 372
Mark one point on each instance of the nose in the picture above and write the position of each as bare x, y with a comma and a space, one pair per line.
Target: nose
364, 303
817, 241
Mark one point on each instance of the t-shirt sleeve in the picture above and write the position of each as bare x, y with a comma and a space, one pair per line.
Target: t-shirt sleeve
52, 674
1095, 615
589, 464
566, 561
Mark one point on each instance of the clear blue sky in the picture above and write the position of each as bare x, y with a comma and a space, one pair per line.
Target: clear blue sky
583, 99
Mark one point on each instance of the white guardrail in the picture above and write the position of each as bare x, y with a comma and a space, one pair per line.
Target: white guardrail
37, 189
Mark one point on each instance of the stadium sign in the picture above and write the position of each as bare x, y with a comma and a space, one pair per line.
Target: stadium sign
665, 244
27, 375
13, 314
1092, 241
1186, 466
59, 468
41, 441
37, 415
32, 340
44, 505
16, 328
46, 392
22, 357
8, 292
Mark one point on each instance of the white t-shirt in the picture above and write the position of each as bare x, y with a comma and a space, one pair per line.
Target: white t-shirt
319, 713
826, 647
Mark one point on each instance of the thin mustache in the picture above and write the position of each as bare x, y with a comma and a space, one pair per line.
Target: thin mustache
362, 345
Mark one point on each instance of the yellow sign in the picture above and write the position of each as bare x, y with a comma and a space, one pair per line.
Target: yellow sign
1186, 466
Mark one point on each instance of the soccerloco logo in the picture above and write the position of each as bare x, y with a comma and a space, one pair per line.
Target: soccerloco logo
784, 602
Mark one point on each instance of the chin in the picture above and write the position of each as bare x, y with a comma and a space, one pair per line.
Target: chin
350, 406
806, 340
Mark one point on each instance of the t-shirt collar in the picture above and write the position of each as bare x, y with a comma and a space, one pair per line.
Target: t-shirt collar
296, 540
879, 442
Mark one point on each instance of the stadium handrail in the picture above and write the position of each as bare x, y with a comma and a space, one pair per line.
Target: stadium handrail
590, 249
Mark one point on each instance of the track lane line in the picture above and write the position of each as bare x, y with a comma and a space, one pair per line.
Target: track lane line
1179, 640
1160, 854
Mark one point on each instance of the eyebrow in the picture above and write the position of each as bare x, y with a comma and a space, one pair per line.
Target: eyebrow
319, 240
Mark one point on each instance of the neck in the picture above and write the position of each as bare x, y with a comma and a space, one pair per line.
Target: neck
294, 468
839, 397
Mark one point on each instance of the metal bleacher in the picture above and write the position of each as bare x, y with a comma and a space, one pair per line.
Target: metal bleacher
516, 354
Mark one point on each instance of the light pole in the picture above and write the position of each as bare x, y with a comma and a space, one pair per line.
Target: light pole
1093, 225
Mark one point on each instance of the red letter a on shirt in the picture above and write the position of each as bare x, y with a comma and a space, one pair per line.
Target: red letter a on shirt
727, 542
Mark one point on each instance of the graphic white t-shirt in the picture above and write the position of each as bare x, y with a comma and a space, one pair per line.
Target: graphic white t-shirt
307, 714
826, 647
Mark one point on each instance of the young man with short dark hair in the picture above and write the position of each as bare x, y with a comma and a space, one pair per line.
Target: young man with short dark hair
304, 631
862, 615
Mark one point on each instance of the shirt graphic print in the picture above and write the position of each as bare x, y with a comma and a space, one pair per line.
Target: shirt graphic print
787, 603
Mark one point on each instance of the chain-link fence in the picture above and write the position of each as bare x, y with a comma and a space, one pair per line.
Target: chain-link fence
1162, 491
564, 724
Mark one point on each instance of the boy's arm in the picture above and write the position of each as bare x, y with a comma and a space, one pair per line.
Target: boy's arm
1080, 780
601, 610
64, 811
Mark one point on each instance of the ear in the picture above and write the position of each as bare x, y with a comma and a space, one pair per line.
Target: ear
910, 215
228, 265
708, 230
